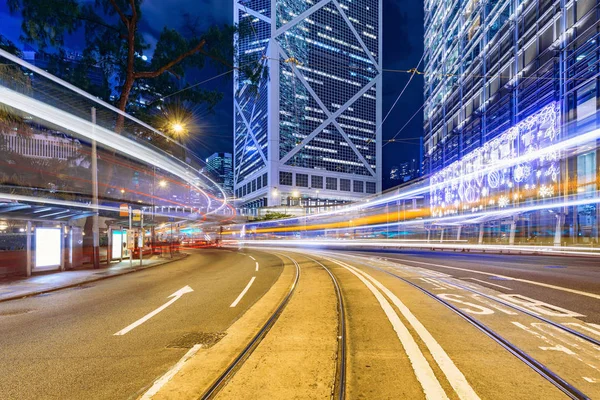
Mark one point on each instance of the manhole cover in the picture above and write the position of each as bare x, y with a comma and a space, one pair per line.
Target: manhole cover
16, 311
206, 339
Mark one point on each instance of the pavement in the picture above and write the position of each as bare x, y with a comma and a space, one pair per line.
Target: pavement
18, 287
413, 328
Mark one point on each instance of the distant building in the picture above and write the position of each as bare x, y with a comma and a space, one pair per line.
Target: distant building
66, 66
405, 172
220, 166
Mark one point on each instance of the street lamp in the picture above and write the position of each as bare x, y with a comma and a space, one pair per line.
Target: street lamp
177, 128
162, 183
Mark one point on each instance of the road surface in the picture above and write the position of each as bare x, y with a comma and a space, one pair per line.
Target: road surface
403, 325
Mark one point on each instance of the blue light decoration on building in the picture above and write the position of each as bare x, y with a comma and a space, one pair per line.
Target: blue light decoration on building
510, 169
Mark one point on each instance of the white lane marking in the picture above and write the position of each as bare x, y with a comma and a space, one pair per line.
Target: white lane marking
160, 382
456, 378
256, 266
475, 309
489, 283
586, 327
239, 298
252, 258
564, 289
539, 307
431, 386
175, 296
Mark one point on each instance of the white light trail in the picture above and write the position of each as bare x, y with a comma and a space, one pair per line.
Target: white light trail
107, 138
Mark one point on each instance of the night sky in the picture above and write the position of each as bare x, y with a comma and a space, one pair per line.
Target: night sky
402, 46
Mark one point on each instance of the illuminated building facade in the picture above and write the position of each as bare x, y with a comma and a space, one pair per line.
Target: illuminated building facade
496, 74
307, 136
220, 166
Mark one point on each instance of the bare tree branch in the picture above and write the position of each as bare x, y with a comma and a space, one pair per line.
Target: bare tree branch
134, 15
172, 63
120, 12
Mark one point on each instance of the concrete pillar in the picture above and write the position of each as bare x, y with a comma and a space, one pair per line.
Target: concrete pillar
558, 231
442, 236
458, 233
29, 252
481, 234
62, 248
513, 230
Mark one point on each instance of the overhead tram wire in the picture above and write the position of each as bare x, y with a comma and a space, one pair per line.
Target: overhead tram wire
393, 139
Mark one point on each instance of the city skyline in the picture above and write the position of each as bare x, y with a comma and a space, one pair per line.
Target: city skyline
215, 129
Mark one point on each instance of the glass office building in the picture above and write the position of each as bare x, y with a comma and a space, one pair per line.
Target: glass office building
220, 167
307, 135
504, 80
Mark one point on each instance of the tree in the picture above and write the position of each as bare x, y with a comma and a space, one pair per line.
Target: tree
113, 41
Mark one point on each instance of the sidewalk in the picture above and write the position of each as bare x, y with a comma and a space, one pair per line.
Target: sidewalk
19, 287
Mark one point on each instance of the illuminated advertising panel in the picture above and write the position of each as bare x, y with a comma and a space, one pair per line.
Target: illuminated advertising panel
118, 239
513, 167
48, 247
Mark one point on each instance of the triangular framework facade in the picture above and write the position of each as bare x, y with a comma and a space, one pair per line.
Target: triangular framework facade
321, 108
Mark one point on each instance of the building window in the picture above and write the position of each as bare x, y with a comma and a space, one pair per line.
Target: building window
285, 178
371, 188
316, 182
248, 188
258, 183
254, 186
359, 187
265, 180
345, 185
302, 180
331, 183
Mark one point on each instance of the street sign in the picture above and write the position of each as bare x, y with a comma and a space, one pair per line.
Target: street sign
123, 210
137, 215
130, 239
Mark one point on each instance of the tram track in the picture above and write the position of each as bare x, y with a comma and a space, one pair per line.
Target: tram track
239, 360
339, 388
560, 383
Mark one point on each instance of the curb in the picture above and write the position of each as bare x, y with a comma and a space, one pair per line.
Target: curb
96, 279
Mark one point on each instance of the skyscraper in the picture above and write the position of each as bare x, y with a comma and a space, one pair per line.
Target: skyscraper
507, 83
308, 134
220, 166
490, 65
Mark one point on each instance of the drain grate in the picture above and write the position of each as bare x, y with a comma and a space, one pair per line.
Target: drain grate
16, 311
206, 339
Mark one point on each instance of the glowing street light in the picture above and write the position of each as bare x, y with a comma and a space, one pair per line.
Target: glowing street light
177, 128
162, 183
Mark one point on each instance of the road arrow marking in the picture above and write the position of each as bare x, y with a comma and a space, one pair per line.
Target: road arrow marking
175, 296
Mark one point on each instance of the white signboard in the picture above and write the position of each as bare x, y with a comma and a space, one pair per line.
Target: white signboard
48, 247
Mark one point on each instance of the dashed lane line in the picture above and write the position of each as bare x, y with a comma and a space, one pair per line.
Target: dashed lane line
239, 298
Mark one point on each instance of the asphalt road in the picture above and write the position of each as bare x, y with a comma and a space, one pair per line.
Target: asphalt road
574, 273
62, 345
411, 327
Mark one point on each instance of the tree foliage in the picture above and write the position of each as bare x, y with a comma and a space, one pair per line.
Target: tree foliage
113, 41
